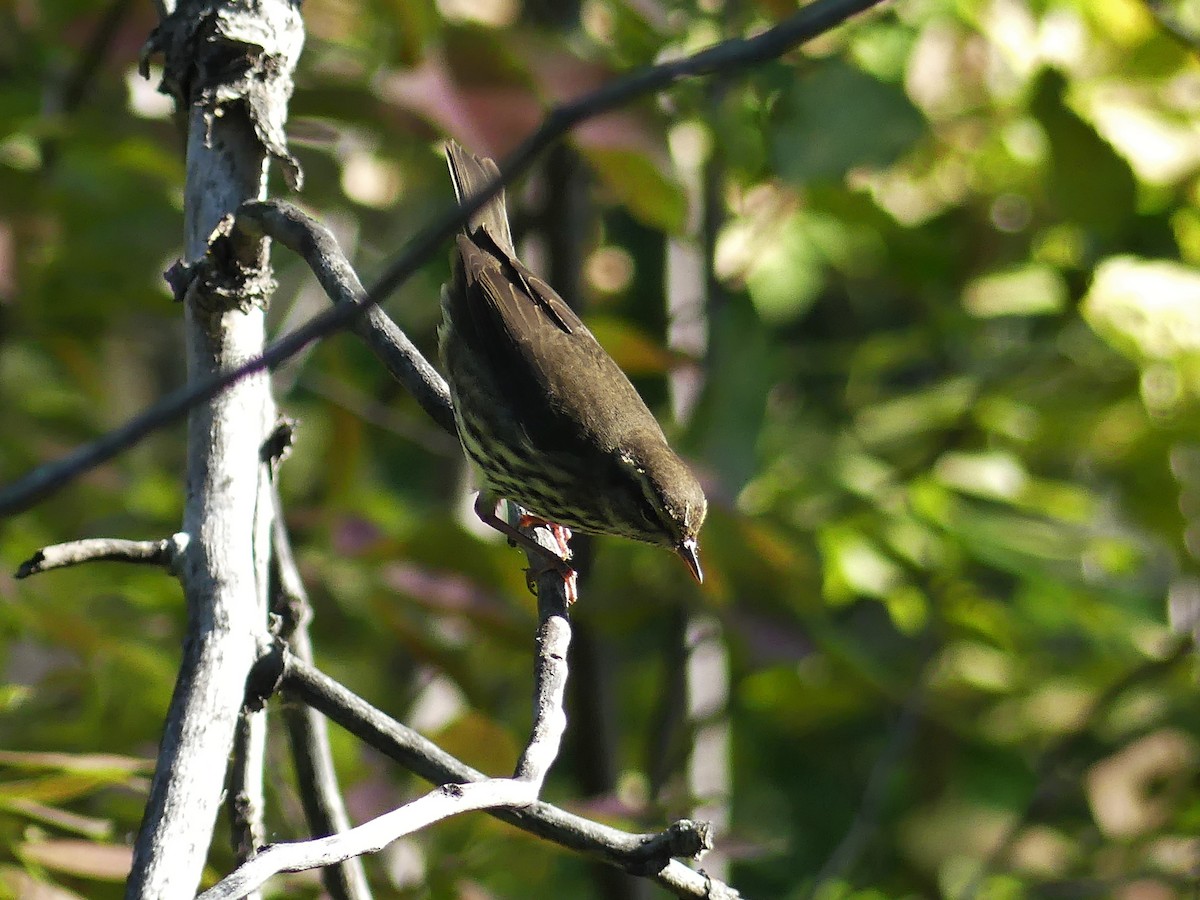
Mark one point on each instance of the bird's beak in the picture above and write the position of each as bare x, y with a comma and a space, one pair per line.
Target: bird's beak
690, 554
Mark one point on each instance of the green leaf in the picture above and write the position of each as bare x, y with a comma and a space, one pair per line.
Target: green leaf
1090, 183
835, 118
1149, 310
1026, 290
640, 184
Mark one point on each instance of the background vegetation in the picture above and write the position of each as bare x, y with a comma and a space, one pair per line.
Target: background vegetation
947, 422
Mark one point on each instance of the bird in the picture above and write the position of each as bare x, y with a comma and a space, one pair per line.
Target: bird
547, 418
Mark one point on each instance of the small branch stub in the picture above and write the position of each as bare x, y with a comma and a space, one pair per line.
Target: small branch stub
148, 553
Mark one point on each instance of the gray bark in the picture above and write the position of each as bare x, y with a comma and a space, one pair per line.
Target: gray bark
229, 66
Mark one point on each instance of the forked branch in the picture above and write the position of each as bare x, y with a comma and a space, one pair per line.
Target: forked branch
451, 798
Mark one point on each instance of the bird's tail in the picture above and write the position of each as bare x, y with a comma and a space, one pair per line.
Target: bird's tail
471, 174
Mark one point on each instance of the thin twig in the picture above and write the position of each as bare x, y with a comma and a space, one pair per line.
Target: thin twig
307, 733
60, 556
245, 798
728, 56
370, 837
316, 244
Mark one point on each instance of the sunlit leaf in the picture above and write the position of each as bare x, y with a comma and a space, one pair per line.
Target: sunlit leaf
640, 183
1030, 290
1147, 309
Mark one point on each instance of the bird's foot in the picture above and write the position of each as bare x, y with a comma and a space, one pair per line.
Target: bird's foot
485, 508
561, 535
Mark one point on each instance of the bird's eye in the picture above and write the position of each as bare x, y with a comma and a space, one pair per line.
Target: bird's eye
646, 509
642, 500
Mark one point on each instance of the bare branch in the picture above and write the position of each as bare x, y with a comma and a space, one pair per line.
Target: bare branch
245, 800
313, 242
729, 56
463, 789
245, 797
652, 855
60, 556
230, 64
549, 723
441, 803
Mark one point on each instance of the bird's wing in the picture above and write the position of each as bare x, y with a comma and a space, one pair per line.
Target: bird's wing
518, 293
546, 358
504, 306
547, 361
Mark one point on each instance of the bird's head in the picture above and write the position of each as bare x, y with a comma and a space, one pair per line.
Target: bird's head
665, 498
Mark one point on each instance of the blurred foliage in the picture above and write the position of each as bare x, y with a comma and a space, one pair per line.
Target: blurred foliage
949, 428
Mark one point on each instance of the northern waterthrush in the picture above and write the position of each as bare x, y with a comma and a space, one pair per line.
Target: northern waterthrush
546, 416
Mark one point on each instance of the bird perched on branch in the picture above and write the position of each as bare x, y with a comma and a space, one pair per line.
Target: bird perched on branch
547, 418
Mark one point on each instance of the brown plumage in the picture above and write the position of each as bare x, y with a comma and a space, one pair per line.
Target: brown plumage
546, 416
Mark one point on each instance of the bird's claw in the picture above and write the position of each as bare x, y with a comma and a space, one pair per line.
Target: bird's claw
560, 533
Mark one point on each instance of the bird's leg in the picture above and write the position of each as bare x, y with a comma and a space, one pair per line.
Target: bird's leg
485, 508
